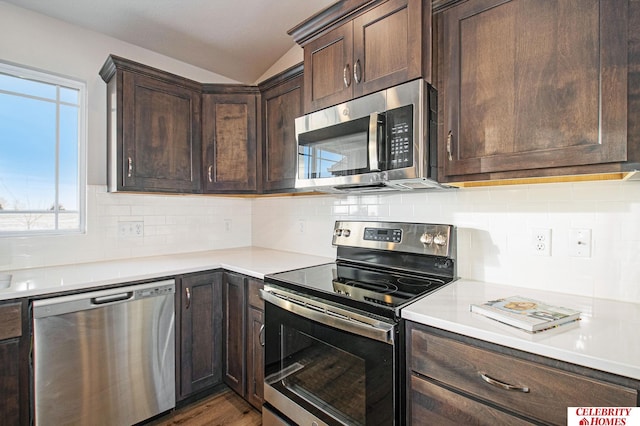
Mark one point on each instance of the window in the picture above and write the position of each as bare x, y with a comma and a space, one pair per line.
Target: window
42, 152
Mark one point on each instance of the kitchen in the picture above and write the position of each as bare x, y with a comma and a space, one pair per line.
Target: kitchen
494, 222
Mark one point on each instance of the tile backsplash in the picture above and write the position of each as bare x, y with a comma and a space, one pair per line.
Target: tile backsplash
495, 226
171, 224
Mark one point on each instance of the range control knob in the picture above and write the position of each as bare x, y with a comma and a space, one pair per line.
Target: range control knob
346, 232
337, 232
440, 240
426, 239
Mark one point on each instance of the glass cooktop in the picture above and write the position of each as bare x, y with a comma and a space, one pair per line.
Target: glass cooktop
370, 289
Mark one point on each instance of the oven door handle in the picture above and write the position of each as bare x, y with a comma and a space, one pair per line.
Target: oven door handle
332, 316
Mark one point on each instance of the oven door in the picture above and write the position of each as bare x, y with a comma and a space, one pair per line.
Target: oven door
322, 367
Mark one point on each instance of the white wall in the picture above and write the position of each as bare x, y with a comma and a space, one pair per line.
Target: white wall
171, 223
294, 56
494, 231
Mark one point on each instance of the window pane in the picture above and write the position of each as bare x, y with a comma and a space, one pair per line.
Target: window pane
27, 153
68, 174
69, 96
27, 87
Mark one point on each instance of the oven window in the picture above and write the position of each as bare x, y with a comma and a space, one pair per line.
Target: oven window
329, 372
326, 376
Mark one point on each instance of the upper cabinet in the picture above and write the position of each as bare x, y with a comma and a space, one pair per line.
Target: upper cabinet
532, 89
354, 48
153, 129
281, 104
229, 133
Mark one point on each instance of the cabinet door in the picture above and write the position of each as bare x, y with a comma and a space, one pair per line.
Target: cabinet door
200, 322
160, 136
388, 48
280, 107
533, 85
255, 343
234, 332
14, 364
229, 149
328, 72
255, 357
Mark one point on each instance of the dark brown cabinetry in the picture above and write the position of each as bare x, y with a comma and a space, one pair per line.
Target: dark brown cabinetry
229, 133
243, 353
14, 363
153, 129
454, 380
255, 344
532, 89
198, 332
281, 104
362, 47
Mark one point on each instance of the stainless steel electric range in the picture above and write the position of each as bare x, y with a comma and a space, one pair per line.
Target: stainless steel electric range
334, 343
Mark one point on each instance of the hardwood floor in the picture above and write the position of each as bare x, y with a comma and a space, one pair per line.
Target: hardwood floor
225, 408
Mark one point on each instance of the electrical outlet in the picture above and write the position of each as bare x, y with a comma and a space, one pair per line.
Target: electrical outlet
301, 226
541, 241
227, 225
131, 229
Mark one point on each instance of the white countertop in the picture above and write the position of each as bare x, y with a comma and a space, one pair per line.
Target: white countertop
606, 338
252, 261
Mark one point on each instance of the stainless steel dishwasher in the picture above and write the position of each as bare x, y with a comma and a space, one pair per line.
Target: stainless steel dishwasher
105, 357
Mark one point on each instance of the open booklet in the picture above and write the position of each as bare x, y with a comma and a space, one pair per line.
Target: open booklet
527, 314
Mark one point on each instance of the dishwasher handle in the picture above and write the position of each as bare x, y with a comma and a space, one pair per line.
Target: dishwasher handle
111, 298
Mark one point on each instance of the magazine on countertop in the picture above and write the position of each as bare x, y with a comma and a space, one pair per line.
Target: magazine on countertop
527, 314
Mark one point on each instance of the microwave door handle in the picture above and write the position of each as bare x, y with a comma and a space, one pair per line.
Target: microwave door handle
375, 126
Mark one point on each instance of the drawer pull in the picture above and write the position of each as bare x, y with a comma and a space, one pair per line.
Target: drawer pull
502, 385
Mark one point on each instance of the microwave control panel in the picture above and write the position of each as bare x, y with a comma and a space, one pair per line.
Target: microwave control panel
399, 123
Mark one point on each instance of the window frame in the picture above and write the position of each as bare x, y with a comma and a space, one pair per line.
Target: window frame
49, 77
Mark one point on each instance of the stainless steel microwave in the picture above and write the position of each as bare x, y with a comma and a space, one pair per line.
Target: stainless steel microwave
379, 142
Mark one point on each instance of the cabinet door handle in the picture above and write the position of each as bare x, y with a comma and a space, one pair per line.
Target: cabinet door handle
503, 385
357, 73
129, 167
261, 335
449, 145
188, 294
346, 75
209, 173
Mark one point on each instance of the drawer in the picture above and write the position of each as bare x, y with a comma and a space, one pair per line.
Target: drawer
10, 320
435, 405
550, 390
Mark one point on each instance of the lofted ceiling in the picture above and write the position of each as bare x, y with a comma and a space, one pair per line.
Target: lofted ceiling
238, 39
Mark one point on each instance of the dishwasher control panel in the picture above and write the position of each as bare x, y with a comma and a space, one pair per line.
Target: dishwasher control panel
156, 291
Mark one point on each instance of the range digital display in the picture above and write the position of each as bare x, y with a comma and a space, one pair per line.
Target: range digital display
381, 234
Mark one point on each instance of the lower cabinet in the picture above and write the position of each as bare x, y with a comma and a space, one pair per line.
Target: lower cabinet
242, 331
455, 380
255, 344
14, 363
199, 332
